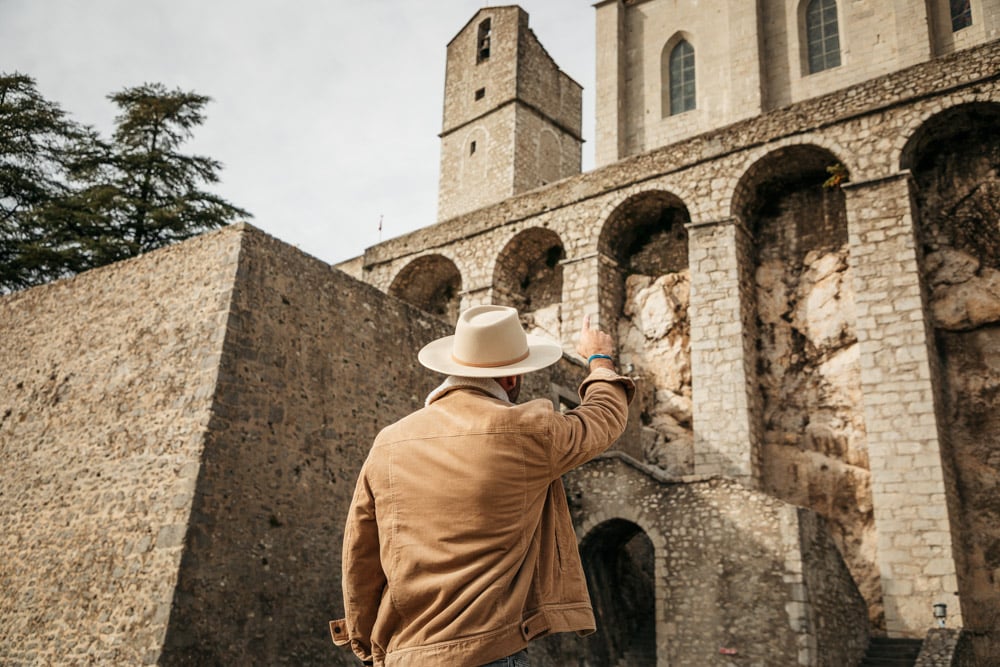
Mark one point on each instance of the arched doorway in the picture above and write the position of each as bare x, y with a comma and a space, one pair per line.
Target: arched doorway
618, 558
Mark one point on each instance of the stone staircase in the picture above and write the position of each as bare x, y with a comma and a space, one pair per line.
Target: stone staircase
636, 656
641, 655
885, 652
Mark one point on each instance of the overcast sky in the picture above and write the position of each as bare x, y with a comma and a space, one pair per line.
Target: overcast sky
325, 114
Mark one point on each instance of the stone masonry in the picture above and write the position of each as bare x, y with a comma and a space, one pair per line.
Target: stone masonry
181, 436
750, 59
511, 117
839, 306
812, 457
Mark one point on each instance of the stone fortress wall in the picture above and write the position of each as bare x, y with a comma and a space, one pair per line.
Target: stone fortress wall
180, 433
179, 436
751, 59
105, 394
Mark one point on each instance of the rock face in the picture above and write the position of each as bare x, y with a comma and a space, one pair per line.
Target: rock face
814, 448
958, 195
654, 335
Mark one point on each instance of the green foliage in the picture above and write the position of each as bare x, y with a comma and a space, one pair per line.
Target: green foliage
838, 174
37, 145
70, 201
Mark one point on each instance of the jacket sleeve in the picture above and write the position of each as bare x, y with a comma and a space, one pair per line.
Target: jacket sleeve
599, 420
363, 577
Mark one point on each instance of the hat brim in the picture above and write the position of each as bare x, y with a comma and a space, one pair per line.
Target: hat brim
436, 356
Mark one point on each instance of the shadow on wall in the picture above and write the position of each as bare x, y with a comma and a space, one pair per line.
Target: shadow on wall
433, 284
529, 276
954, 160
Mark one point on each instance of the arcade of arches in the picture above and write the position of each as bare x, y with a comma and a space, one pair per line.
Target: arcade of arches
799, 282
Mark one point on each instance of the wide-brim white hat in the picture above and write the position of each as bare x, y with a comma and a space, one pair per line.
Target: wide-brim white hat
489, 342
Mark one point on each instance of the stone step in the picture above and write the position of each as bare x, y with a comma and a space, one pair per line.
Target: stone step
889, 652
637, 658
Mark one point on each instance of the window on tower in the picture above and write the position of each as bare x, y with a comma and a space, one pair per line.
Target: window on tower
961, 14
822, 35
682, 97
483, 41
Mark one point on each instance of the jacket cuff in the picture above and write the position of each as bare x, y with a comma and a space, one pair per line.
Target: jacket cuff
608, 375
338, 631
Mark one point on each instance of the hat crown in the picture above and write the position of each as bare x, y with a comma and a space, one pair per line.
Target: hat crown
489, 336
489, 342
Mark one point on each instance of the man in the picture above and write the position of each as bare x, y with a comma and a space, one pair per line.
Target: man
459, 548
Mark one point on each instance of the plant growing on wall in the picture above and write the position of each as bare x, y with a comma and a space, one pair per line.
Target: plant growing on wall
838, 174
71, 201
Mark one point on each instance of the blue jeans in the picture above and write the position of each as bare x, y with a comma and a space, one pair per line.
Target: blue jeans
519, 659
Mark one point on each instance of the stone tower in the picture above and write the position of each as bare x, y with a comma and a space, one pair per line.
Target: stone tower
670, 69
512, 119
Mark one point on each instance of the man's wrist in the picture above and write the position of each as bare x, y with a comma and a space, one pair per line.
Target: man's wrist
600, 361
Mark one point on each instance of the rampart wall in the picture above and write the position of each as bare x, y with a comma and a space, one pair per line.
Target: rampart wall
106, 393
313, 365
180, 437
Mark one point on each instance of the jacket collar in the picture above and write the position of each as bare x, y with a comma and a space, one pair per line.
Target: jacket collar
452, 382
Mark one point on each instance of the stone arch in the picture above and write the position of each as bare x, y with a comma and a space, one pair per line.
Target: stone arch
644, 286
909, 129
431, 283
808, 380
619, 561
954, 159
828, 156
528, 275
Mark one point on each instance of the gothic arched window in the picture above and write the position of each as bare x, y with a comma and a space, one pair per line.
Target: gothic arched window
682, 78
961, 14
822, 35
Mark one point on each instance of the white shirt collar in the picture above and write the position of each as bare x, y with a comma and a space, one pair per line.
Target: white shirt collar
489, 385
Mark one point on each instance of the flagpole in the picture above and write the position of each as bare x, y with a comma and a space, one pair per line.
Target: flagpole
380, 228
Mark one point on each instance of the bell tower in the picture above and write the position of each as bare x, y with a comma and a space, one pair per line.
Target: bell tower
512, 118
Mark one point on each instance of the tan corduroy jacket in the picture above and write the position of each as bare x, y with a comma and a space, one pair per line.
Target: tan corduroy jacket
459, 547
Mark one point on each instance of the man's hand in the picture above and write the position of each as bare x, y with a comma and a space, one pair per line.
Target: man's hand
595, 341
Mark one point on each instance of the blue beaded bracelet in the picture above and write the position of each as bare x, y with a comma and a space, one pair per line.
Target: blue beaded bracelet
599, 356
